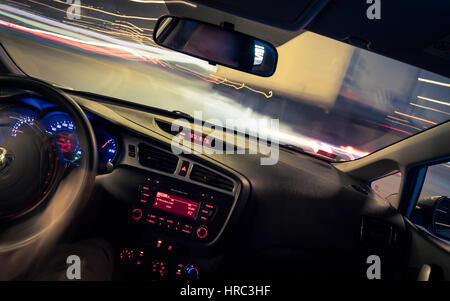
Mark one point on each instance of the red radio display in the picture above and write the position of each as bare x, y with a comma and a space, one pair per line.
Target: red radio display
175, 204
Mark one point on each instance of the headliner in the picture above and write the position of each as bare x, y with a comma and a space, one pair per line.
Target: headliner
408, 31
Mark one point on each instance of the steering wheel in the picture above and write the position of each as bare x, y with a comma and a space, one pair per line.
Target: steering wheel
40, 193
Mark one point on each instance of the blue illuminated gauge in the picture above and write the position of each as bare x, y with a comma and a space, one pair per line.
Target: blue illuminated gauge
107, 146
64, 133
19, 124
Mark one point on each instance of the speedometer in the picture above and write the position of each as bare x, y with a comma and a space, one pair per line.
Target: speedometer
63, 130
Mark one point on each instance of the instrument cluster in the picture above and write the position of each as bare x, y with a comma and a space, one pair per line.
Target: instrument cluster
38, 116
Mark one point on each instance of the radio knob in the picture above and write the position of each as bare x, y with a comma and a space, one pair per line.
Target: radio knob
136, 214
202, 232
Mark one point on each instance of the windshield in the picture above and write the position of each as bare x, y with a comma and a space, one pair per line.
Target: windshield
328, 96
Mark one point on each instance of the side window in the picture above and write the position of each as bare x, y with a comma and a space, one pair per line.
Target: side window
387, 186
432, 210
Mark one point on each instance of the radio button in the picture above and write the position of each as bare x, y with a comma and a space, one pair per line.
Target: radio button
145, 195
144, 201
186, 231
144, 188
202, 232
151, 219
209, 206
160, 221
152, 180
206, 212
184, 168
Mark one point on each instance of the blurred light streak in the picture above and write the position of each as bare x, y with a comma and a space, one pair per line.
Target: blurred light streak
389, 127
434, 100
219, 80
115, 50
303, 142
119, 50
356, 153
428, 108
168, 55
64, 11
23, 13
399, 119
134, 26
433, 82
314, 145
137, 37
165, 2
407, 125
415, 117
243, 85
110, 13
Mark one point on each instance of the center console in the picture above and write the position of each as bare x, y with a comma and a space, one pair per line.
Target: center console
179, 209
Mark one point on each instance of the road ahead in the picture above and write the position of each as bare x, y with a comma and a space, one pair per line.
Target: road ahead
108, 50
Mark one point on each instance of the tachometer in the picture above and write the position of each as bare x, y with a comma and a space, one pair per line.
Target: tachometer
20, 123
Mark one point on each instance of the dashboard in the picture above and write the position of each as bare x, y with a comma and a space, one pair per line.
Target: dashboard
194, 215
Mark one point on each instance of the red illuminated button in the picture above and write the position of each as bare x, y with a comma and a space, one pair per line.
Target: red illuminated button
206, 212
136, 214
209, 206
145, 195
202, 232
144, 188
184, 168
151, 181
151, 218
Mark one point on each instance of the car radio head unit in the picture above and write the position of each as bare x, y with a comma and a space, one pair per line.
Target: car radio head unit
176, 205
179, 208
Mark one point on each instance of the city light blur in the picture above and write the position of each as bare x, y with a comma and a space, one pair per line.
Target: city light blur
329, 97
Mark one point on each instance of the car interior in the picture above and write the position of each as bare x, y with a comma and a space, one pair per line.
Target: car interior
98, 175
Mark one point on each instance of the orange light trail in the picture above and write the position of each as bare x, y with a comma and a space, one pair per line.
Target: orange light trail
165, 2
130, 56
110, 13
221, 80
433, 82
353, 151
428, 108
415, 117
434, 100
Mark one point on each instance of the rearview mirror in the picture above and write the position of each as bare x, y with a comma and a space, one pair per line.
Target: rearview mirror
217, 45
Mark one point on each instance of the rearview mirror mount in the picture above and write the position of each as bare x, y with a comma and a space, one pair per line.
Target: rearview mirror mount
217, 45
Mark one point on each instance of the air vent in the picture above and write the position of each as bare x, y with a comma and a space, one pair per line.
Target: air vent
211, 178
155, 158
